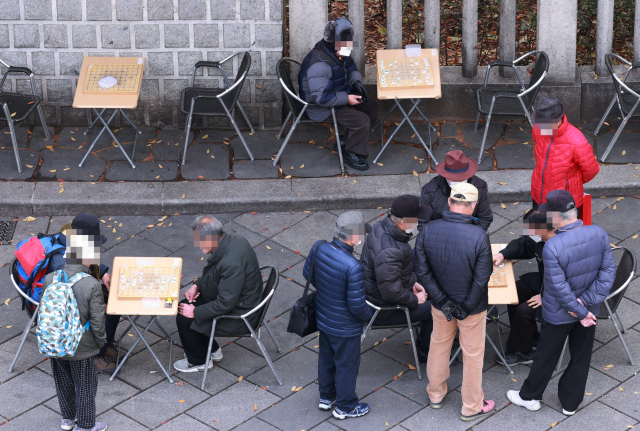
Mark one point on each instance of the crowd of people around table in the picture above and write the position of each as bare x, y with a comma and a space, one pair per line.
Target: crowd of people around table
443, 282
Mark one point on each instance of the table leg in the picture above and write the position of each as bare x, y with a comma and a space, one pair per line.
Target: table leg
499, 354
424, 117
141, 335
121, 337
415, 131
132, 325
170, 340
383, 118
384, 147
94, 122
99, 134
106, 127
139, 132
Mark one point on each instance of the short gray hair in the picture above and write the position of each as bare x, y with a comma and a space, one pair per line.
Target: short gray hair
341, 233
207, 223
395, 219
466, 204
569, 215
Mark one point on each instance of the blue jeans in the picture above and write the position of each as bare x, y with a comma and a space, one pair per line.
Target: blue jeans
338, 365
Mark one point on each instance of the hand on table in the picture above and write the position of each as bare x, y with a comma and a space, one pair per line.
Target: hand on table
106, 280
186, 310
192, 294
498, 258
535, 301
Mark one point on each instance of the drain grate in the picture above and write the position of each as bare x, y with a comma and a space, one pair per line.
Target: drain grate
7, 228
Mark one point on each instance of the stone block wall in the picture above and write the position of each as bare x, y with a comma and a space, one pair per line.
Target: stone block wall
52, 36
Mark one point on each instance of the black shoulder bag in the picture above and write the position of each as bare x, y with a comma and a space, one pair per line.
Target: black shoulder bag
302, 320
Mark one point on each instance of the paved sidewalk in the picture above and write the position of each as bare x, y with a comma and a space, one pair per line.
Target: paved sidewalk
141, 399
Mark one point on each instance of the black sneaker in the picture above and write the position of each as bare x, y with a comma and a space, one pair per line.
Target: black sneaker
354, 160
515, 358
534, 340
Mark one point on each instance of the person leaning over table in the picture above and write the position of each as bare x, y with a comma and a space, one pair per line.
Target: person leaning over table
456, 169
524, 335
231, 284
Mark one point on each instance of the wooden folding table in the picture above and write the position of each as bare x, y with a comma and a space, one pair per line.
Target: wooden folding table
124, 95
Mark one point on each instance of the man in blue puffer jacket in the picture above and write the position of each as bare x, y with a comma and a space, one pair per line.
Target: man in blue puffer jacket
341, 311
579, 272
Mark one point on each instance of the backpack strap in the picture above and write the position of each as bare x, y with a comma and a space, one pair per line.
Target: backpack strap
73, 280
58, 276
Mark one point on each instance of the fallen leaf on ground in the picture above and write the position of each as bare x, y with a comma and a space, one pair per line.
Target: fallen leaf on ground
297, 252
29, 219
415, 157
589, 393
315, 347
181, 401
413, 136
255, 407
53, 170
407, 342
13, 114
293, 388
376, 343
502, 184
66, 169
379, 164
287, 177
619, 199
157, 177
7, 301
307, 212
240, 378
624, 152
554, 424
516, 203
10, 326
634, 237
160, 165
183, 195
401, 373
61, 190
179, 383
521, 129
615, 206
620, 389
514, 379
299, 389
302, 166
29, 166
503, 206
254, 213
201, 177
268, 248
415, 174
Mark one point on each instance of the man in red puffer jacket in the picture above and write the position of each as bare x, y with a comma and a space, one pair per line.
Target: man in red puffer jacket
564, 158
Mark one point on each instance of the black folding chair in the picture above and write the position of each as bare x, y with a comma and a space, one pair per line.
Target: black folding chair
26, 301
627, 97
504, 101
297, 108
17, 107
216, 102
409, 325
625, 271
253, 331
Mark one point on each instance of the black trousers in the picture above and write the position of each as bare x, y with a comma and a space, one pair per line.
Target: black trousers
522, 319
358, 120
338, 365
574, 379
76, 386
110, 323
421, 314
194, 343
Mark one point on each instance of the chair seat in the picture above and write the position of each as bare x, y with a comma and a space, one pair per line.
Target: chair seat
20, 104
503, 105
203, 106
398, 326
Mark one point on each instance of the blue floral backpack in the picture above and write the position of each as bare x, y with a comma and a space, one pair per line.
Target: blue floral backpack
59, 330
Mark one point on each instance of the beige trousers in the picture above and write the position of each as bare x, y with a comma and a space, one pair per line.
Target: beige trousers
472, 339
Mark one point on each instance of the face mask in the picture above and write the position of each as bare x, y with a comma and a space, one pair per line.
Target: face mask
345, 52
359, 242
536, 238
455, 183
409, 231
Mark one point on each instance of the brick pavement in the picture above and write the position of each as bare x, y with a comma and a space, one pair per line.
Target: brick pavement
141, 399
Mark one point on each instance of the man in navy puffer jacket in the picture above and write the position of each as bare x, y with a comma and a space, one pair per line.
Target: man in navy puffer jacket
341, 311
579, 272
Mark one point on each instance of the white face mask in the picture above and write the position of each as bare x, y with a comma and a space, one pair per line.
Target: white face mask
455, 183
536, 238
359, 242
409, 231
345, 51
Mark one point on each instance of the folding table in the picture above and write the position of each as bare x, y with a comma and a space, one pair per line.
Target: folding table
124, 95
414, 94
134, 307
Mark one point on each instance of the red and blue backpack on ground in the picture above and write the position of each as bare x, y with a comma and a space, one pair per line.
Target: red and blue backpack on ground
33, 256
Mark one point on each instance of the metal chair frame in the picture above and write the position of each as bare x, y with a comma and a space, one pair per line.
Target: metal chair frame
613, 311
532, 91
619, 92
292, 98
229, 110
14, 122
31, 323
408, 326
263, 306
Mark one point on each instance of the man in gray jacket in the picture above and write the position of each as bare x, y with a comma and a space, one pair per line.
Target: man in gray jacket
579, 272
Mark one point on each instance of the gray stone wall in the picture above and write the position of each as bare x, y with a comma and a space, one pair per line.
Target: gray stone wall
52, 36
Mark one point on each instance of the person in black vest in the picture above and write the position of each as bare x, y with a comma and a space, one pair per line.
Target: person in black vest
455, 169
387, 260
329, 78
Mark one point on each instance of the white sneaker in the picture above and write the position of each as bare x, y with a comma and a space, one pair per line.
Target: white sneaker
184, 366
514, 397
568, 413
217, 355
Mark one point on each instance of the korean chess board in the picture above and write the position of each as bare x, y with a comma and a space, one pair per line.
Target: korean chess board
129, 77
412, 72
149, 277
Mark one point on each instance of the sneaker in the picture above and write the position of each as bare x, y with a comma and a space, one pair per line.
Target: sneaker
514, 397
112, 352
515, 358
568, 413
217, 355
184, 366
360, 410
68, 424
436, 406
487, 409
104, 364
99, 426
326, 404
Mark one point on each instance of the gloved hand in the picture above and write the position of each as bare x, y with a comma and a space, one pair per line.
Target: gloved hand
461, 312
359, 88
447, 306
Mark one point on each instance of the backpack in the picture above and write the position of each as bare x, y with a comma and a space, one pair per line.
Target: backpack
59, 330
33, 256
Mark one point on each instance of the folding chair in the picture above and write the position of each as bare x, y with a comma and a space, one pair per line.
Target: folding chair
216, 102
627, 99
267, 294
409, 325
32, 314
17, 107
625, 271
504, 101
297, 107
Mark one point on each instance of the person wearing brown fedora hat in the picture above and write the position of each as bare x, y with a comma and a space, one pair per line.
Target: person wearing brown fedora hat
456, 168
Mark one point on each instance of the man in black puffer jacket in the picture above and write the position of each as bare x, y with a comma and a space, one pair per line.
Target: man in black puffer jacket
387, 261
455, 169
453, 263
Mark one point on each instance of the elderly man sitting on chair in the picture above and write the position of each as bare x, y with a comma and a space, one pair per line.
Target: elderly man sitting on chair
231, 284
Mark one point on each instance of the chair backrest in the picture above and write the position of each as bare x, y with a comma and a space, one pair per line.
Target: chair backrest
283, 71
269, 286
620, 87
23, 296
230, 96
540, 70
625, 271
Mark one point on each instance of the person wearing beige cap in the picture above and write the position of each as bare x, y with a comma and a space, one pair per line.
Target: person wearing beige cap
453, 262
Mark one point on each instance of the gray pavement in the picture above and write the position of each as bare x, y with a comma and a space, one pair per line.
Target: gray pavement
241, 392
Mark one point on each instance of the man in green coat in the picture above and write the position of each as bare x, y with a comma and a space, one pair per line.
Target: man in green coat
230, 285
